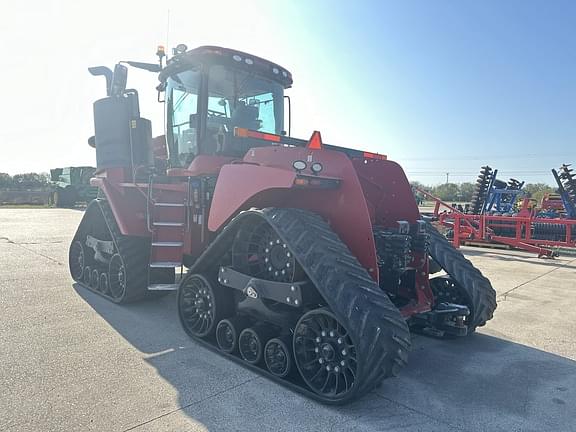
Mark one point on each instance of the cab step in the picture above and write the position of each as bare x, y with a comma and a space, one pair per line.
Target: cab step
168, 224
168, 244
166, 204
165, 264
163, 287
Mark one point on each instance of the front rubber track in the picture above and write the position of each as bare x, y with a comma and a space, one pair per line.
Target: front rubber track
134, 251
476, 287
378, 330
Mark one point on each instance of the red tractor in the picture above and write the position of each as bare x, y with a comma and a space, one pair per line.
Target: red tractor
308, 263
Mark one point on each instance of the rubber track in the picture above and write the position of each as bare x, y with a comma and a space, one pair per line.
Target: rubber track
129, 247
379, 332
476, 287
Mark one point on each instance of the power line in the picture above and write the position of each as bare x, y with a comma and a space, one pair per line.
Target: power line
492, 157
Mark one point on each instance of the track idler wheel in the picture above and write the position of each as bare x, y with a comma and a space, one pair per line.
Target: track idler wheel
227, 333
95, 279
251, 343
103, 285
200, 305
117, 278
325, 354
278, 356
87, 275
76, 261
445, 290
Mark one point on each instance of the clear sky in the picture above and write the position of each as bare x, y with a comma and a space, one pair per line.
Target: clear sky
439, 86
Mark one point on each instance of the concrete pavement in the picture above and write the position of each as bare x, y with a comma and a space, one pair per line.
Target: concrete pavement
72, 361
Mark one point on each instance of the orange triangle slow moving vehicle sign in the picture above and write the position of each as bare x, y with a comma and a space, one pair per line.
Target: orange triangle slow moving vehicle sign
315, 142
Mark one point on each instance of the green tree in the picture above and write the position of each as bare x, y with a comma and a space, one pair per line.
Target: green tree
5, 181
466, 191
537, 190
30, 181
446, 192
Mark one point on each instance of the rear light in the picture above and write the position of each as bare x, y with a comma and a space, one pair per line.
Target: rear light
316, 182
299, 165
316, 167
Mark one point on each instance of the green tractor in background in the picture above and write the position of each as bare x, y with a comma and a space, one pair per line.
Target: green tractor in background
72, 185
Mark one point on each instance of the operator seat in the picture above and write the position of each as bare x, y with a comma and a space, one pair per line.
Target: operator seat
246, 116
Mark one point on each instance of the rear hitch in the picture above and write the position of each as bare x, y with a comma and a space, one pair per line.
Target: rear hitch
446, 319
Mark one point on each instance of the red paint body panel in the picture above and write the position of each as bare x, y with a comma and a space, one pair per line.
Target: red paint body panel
371, 192
387, 192
345, 207
202, 165
128, 206
238, 183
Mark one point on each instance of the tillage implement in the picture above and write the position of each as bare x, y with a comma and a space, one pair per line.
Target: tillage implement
306, 262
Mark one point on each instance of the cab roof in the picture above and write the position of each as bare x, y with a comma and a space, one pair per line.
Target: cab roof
210, 54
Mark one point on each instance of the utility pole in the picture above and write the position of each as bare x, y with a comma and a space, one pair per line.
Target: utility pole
447, 177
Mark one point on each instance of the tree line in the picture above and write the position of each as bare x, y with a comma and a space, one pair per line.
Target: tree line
26, 181
453, 192
462, 192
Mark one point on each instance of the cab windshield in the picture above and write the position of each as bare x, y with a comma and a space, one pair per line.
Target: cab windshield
204, 108
238, 98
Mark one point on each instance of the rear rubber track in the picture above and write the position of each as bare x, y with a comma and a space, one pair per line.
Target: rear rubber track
475, 286
379, 332
133, 250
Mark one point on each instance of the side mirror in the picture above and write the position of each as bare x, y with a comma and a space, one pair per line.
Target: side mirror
288, 104
119, 79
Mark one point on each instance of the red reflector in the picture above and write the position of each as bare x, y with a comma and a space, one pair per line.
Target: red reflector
369, 155
240, 132
315, 142
301, 182
247, 133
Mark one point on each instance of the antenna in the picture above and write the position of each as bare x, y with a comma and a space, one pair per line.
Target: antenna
168, 29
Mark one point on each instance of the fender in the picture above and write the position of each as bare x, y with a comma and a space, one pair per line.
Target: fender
237, 183
387, 191
266, 179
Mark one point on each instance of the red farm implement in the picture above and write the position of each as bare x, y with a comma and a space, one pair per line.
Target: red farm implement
537, 230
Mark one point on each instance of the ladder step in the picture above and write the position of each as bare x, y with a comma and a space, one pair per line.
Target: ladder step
165, 264
168, 224
163, 287
168, 244
164, 204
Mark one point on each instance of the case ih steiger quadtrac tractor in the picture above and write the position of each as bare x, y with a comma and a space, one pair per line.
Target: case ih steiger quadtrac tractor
308, 263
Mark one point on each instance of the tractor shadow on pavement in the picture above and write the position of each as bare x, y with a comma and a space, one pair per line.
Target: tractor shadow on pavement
474, 384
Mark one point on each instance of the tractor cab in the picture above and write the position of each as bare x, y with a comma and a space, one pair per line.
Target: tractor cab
211, 91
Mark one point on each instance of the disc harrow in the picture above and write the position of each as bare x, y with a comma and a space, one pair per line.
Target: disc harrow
481, 190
